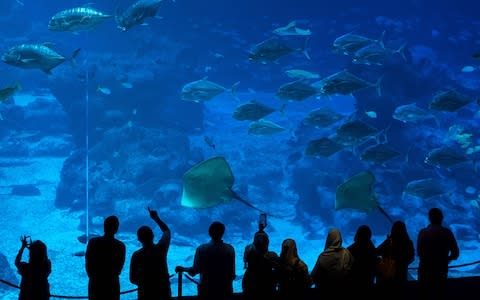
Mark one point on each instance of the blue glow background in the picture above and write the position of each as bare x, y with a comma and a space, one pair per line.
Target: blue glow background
141, 140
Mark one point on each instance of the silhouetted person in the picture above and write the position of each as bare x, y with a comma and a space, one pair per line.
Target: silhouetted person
332, 271
364, 259
148, 266
34, 284
293, 277
399, 247
215, 262
436, 247
259, 281
104, 261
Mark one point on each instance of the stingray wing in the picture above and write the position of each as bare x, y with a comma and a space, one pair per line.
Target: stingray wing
208, 183
357, 193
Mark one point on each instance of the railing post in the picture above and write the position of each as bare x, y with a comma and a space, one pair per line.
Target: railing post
179, 286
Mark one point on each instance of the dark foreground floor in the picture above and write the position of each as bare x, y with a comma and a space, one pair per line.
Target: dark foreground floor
458, 288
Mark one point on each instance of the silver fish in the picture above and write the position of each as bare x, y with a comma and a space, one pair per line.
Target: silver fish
271, 50
296, 90
36, 56
322, 117
203, 90
77, 19
344, 83
445, 157
136, 14
350, 43
264, 127
376, 54
252, 111
449, 101
379, 154
411, 113
426, 188
292, 29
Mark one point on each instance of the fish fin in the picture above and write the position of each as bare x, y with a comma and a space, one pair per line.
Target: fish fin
48, 71
73, 56
380, 39
49, 44
401, 51
291, 24
378, 87
305, 49
233, 90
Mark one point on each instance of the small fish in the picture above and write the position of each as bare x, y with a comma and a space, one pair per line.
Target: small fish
79, 253
292, 29
468, 69
476, 55
104, 90
209, 141
9, 91
204, 90
301, 74
127, 85
371, 114
264, 127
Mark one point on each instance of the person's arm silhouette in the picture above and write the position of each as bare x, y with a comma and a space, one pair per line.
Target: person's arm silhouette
18, 258
163, 227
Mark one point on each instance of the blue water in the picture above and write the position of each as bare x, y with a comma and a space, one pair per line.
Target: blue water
121, 99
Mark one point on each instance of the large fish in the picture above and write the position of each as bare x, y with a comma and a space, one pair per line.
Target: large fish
77, 19
297, 90
36, 56
291, 29
344, 83
264, 127
271, 50
449, 101
9, 91
203, 90
411, 113
350, 43
376, 54
252, 111
136, 14
322, 117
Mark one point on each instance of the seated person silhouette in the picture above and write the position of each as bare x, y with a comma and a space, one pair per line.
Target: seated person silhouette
148, 266
215, 262
34, 283
104, 261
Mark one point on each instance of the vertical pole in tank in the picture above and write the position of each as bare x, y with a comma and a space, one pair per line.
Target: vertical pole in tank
86, 150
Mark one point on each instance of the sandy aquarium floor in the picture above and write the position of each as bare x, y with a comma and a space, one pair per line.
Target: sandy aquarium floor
37, 217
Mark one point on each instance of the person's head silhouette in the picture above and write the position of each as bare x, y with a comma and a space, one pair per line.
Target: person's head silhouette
110, 225
145, 235
38, 252
216, 231
363, 234
435, 216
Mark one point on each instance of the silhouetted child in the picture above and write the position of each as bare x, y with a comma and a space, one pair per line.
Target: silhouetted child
148, 266
259, 282
215, 262
364, 259
34, 284
436, 247
104, 261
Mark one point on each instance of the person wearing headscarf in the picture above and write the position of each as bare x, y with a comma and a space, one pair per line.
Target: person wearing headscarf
332, 272
293, 278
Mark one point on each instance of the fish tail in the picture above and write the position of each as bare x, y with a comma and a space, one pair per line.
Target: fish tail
305, 49
378, 87
233, 90
73, 56
401, 51
380, 39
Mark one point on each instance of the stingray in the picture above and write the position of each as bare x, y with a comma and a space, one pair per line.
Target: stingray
357, 193
210, 183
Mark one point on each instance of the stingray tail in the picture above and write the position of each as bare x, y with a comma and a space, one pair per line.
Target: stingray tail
385, 214
239, 198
